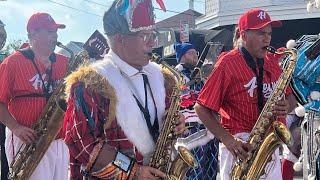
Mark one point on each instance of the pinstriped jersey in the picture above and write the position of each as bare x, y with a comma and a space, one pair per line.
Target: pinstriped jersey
19, 77
231, 90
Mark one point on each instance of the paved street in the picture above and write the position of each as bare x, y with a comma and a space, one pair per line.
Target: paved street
298, 176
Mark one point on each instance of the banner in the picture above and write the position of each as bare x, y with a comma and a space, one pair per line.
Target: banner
96, 45
184, 31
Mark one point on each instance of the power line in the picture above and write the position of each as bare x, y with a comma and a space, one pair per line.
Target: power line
154, 8
202, 2
97, 3
176, 12
74, 8
109, 6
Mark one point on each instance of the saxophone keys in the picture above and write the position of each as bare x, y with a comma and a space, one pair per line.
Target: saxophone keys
256, 138
249, 156
161, 162
261, 130
266, 122
254, 145
254, 141
243, 166
269, 114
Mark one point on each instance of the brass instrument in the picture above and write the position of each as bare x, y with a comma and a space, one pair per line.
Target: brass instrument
200, 72
264, 144
46, 128
160, 158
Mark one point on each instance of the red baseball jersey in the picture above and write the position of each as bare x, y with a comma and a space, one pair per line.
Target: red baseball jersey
19, 77
231, 90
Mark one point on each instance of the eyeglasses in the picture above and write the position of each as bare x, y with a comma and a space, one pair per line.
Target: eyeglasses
193, 52
147, 36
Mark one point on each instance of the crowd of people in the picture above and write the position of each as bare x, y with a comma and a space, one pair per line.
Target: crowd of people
104, 139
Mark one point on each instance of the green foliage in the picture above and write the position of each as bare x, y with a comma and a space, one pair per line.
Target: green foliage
12, 46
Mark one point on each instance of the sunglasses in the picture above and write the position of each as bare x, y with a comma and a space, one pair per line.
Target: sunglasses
147, 36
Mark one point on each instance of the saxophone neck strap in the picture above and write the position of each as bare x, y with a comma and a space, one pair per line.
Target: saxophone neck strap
29, 54
253, 66
153, 129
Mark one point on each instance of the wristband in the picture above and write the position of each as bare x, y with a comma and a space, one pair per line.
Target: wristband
122, 167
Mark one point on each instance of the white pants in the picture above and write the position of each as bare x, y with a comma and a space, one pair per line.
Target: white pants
272, 169
54, 164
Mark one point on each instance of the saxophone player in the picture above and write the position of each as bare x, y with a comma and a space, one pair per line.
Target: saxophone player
28, 77
237, 89
115, 106
206, 152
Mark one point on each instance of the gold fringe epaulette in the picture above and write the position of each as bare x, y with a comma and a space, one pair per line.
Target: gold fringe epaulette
94, 83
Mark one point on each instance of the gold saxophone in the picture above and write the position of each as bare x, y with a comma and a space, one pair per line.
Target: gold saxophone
47, 126
264, 144
161, 157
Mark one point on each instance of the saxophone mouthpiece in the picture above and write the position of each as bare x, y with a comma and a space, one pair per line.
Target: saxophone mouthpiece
271, 49
156, 58
59, 44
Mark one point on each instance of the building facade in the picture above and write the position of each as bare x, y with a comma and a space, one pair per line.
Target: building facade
296, 19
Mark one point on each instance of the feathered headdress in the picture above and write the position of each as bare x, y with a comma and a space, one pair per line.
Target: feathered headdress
129, 16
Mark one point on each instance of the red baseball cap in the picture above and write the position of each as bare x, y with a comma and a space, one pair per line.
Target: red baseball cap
256, 19
42, 20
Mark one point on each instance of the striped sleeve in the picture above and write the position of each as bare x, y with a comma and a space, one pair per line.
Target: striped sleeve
7, 81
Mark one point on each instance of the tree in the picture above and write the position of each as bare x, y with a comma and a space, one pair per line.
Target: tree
12, 46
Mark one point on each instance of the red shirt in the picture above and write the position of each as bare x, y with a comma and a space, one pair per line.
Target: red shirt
19, 77
231, 89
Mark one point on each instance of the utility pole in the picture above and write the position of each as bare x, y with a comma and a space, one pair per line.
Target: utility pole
191, 4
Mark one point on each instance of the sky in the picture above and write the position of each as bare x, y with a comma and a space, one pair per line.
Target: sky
81, 20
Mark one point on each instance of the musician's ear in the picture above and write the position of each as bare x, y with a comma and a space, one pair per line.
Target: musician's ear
243, 34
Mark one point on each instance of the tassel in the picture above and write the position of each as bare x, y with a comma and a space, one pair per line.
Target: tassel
81, 101
161, 4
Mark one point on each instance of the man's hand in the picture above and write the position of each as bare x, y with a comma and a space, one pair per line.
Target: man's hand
281, 108
180, 125
238, 148
145, 172
27, 135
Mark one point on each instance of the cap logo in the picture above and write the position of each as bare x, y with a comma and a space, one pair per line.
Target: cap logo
262, 15
50, 18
